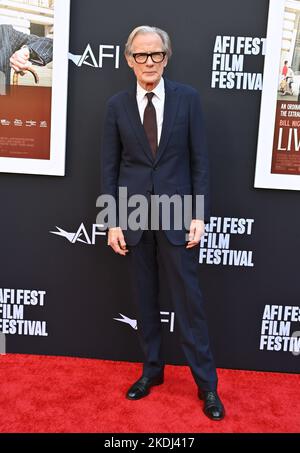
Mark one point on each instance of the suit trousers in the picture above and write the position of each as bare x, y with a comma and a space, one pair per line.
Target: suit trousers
154, 261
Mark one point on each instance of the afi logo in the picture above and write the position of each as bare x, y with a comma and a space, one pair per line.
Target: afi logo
166, 317
81, 235
89, 58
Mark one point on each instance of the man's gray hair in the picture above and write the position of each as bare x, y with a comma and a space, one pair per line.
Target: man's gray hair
143, 29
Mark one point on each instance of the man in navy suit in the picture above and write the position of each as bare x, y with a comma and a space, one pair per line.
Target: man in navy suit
154, 145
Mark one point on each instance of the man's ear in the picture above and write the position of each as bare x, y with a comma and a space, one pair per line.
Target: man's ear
129, 61
166, 62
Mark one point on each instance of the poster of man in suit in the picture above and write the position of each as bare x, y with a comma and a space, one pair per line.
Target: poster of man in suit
29, 31
19, 52
278, 160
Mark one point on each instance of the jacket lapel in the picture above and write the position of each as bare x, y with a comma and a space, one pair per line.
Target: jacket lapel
170, 110
135, 120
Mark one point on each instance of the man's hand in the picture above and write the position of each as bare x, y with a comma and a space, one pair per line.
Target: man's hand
116, 241
19, 61
197, 229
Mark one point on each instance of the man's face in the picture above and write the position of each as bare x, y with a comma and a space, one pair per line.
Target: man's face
148, 74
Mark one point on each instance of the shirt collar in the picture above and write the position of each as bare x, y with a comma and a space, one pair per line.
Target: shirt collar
159, 90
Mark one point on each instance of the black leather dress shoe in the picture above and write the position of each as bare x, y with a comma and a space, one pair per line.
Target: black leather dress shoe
213, 407
142, 387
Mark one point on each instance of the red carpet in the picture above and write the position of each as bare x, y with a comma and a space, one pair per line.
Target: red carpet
41, 394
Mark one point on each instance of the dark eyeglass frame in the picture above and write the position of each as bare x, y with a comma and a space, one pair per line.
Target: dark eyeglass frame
147, 55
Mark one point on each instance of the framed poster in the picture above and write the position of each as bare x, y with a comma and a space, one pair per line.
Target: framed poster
278, 149
33, 98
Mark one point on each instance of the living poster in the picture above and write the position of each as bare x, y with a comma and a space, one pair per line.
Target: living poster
278, 152
34, 38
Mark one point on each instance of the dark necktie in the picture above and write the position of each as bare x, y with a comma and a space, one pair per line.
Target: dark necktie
150, 123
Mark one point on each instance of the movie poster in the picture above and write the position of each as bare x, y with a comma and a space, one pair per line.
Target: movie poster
278, 153
34, 40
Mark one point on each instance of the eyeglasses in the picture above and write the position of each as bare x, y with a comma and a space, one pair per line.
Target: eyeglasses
156, 57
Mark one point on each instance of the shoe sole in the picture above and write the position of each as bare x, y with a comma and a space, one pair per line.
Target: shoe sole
215, 419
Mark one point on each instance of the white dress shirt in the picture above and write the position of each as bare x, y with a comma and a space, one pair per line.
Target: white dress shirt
158, 101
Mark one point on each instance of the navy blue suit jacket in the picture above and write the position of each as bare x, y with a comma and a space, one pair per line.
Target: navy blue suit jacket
181, 163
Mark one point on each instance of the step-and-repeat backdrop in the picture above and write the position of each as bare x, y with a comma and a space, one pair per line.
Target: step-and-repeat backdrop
62, 289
